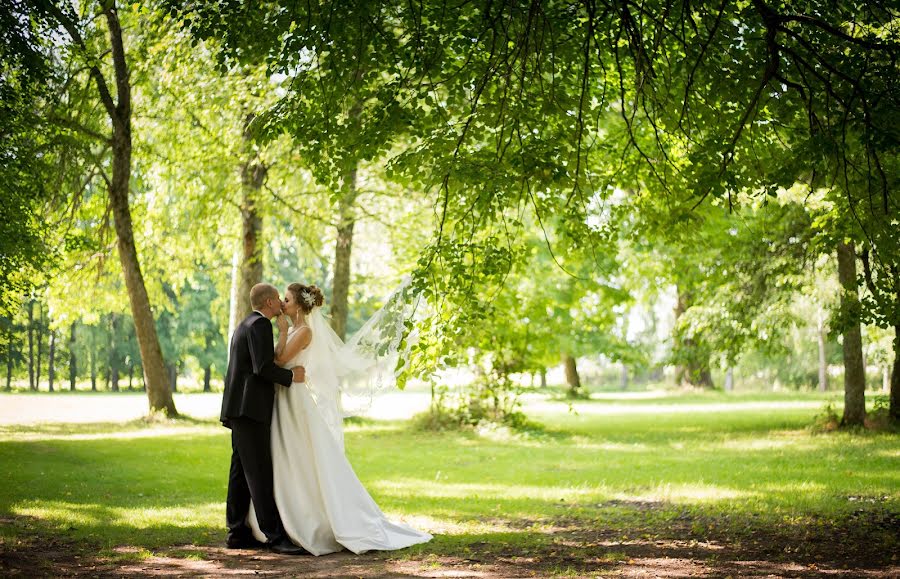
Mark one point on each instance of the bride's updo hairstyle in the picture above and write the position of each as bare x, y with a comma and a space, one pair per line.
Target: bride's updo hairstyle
307, 296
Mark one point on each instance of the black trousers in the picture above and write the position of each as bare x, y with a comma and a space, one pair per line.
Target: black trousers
251, 478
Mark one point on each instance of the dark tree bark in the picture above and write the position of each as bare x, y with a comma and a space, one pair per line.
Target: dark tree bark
854, 368
31, 383
73, 359
342, 254
543, 377
250, 265
130, 375
207, 374
173, 377
572, 378
51, 370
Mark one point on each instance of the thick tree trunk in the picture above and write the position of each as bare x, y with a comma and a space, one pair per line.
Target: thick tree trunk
572, 378
729, 379
695, 371
73, 359
250, 268
342, 254
823, 361
31, 383
173, 377
51, 369
543, 377
207, 374
854, 369
159, 396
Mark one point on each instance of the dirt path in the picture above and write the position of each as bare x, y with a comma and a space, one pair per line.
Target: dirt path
573, 553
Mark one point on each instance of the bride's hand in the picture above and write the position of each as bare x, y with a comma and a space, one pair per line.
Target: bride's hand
282, 322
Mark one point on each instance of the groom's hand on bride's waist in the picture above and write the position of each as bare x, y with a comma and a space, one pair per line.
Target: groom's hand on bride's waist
299, 374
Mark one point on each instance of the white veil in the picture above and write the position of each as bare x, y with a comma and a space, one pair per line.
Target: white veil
352, 374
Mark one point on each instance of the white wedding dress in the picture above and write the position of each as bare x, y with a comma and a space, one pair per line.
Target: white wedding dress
323, 505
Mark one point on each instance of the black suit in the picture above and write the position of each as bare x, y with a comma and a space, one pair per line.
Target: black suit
247, 410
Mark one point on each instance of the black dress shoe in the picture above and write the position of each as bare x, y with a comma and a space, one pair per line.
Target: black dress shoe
284, 546
243, 543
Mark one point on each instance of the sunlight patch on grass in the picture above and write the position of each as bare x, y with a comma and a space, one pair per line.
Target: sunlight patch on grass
453, 526
594, 409
422, 488
65, 515
152, 432
690, 493
765, 444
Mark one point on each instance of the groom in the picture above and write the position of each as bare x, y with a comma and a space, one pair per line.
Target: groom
247, 410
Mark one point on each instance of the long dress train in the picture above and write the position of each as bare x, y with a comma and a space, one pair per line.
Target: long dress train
323, 505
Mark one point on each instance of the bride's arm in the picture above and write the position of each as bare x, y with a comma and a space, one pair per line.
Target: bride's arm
295, 344
282, 335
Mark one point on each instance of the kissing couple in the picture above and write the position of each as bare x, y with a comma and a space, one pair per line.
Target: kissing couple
290, 486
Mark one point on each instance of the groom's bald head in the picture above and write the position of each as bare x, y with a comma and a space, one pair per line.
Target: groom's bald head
260, 293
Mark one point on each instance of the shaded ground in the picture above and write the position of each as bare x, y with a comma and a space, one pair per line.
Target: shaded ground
571, 550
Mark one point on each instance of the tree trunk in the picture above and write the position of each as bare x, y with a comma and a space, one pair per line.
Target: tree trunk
51, 370
207, 373
729, 379
173, 377
572, 378
854, 370
130, 376
93, 361
823, 361
543, 377
9, 358
623, 376
113, 353
31, 384
160, 398
73, 359
342, 254
695, 371
253, 176
39, 329
895, 379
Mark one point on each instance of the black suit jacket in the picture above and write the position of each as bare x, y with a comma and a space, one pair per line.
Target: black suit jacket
252, 373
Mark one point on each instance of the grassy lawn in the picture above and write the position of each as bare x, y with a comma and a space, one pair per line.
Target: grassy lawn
745, 470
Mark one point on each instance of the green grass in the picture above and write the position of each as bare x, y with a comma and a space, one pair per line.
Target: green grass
629, 467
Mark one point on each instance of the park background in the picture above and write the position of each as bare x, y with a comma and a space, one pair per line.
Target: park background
656, 247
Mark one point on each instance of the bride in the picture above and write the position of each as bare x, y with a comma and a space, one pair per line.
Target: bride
323, 506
